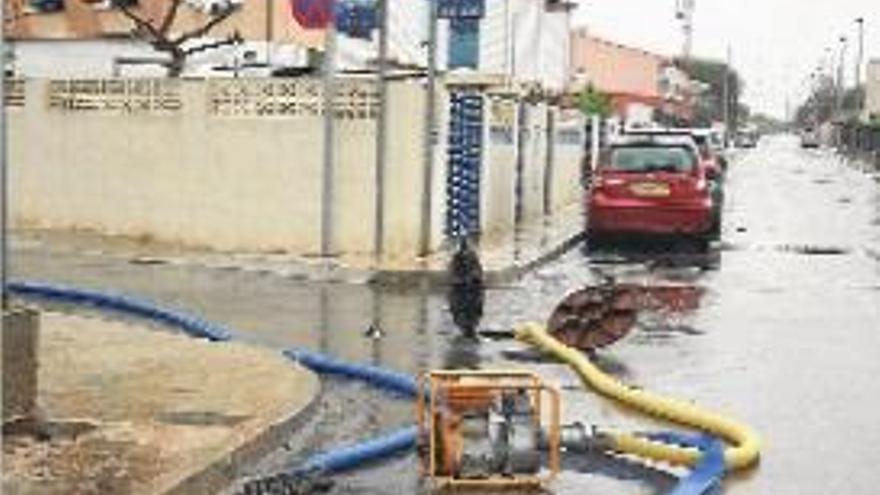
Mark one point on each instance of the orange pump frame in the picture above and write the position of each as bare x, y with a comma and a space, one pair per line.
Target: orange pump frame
451, 392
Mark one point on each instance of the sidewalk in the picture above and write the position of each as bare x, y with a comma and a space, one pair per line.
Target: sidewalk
504, 257
131, 410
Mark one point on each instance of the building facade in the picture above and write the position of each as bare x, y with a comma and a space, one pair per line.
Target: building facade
524, 40
641, 84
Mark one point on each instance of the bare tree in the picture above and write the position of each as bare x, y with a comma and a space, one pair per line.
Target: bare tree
158, 33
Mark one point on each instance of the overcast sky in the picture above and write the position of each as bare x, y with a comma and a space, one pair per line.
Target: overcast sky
775, 43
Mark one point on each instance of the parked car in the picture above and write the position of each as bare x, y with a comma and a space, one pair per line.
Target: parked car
651, 184
710, 146
810, 138
746, 139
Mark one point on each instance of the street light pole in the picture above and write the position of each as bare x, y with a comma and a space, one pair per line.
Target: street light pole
4, 175
726, 106
381, 133
860, 59
841, 90
328, 213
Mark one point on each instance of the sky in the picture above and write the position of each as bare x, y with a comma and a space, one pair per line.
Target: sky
775, 44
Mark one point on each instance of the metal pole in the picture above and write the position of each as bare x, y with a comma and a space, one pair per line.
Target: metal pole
841, 90
430, 131
381, 133
328, 214
270, 32
4, 175
726, 106
860, 59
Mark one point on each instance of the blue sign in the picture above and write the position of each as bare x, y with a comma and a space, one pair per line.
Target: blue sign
356, 19
461, 9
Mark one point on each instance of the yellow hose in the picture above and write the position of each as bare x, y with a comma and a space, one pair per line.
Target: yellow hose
746, 444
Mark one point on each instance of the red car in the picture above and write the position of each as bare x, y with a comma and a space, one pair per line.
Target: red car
651, 185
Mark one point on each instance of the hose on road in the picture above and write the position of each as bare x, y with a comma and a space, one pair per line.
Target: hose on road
332, 461
746, 444
668, 448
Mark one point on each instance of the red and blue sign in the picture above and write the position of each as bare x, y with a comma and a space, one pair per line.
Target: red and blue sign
313, 14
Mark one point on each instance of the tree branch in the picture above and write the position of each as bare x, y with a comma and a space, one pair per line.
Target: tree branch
170, 15
142, 24
202, 31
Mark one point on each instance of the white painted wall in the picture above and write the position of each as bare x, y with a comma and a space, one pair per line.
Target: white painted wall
94, 58
498, 177
240, 181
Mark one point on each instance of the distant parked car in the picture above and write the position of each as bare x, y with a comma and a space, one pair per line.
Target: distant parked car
746, 139
651, 184
810, 138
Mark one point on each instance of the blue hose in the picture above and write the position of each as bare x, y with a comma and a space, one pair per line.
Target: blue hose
336, 460
708, 473
191, 325
705, 477
379, 377
349, 457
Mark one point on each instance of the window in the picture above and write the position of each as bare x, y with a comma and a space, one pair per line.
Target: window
464, 43
643, 159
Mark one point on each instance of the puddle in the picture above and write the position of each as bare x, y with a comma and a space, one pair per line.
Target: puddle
814, 250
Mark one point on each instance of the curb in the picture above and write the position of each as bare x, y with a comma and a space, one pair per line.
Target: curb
497, 276
221, 473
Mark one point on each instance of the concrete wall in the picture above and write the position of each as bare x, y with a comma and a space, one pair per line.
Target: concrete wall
498, 178
534, 149
568, 154
229, 164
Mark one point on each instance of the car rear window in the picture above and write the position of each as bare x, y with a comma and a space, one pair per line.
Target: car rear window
643, 159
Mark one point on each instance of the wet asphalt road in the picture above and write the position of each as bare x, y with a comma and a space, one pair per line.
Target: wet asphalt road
786, 338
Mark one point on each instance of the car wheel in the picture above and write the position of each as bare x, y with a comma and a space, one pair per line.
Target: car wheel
593, 241
703, 244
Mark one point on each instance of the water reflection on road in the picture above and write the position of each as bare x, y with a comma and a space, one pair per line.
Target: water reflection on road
784, 336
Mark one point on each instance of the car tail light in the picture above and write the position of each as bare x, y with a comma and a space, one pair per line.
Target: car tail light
601, 182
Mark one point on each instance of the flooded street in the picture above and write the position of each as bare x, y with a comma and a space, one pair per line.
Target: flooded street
784, 336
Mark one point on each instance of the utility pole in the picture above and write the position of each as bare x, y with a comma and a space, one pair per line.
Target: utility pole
430, 138
328, 200
859, 61
381, 134
270, 32
726, 106
685, 13
4, 174
841, 90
